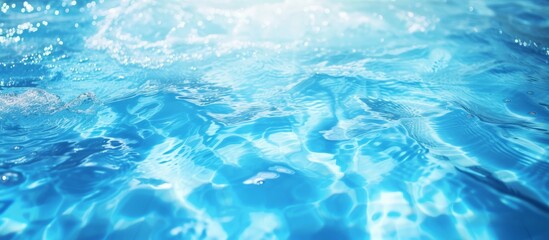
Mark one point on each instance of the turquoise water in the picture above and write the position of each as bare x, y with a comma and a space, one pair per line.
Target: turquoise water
274, 119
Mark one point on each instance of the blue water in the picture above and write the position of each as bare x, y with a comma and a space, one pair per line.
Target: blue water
165, 119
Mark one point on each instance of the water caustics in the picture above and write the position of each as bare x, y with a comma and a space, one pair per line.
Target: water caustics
144, 119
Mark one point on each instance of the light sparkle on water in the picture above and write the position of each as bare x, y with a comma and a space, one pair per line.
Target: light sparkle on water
273, 120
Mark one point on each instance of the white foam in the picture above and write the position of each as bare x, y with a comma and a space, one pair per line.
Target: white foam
33, 101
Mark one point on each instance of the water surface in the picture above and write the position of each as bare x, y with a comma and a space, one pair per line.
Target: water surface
274, 120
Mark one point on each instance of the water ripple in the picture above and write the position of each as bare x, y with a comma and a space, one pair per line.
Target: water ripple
280, 119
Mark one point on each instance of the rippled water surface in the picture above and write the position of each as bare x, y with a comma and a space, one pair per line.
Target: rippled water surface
165, 119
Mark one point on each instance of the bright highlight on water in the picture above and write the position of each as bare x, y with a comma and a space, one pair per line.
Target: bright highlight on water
166, 119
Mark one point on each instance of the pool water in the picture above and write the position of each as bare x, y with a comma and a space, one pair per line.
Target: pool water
165, 119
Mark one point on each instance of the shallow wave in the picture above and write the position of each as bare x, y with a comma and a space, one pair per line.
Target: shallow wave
279, 119
35, 119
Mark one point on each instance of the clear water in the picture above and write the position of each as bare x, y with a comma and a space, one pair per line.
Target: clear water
274, 119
